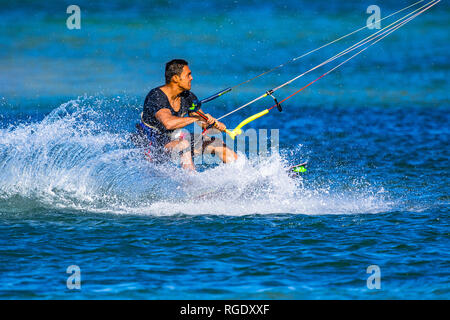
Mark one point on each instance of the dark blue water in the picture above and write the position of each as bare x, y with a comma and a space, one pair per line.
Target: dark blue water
75, 191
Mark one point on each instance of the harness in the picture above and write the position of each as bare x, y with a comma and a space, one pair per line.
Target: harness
150, 131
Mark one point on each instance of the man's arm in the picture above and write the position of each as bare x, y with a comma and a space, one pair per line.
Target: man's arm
202, 123
171, 122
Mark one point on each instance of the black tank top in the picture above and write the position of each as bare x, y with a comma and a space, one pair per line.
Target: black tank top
156, 100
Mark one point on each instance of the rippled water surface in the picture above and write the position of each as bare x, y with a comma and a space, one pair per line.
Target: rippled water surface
74, 190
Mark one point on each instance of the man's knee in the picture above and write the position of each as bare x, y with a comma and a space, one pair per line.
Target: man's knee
226, 153
178, 148
183, 145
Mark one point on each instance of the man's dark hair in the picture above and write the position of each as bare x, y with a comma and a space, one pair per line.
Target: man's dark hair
174, 67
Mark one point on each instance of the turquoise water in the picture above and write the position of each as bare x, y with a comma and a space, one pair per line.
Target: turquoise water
75, 191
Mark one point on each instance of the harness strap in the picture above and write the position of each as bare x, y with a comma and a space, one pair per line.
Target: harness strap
147, 125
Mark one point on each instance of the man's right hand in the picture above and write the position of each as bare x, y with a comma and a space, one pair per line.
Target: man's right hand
210, 120
217, 124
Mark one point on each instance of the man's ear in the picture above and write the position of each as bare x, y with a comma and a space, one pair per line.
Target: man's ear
176, 78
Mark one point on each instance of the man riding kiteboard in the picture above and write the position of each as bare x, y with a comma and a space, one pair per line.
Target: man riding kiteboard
168, 108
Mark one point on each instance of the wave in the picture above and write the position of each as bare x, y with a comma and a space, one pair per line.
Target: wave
80, 157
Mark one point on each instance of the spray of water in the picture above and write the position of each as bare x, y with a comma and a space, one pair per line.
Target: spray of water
79, 157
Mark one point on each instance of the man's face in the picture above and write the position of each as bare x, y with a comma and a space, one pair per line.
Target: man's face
185, 78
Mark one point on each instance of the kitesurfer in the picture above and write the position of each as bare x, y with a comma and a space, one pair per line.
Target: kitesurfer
166, 109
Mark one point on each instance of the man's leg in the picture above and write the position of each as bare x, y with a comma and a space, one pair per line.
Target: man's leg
225, 154
211, 145
183, 148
